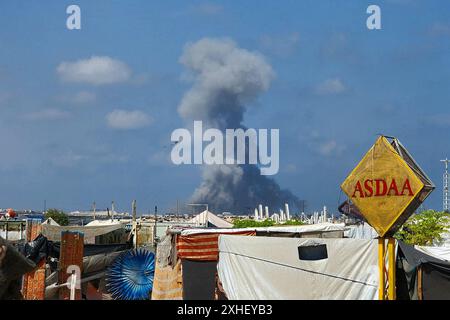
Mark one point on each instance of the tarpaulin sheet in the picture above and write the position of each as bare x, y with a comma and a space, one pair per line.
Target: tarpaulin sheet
53, 232
202, 246
442, 253
435, 284
168, 283
199, 279
361, 231
309, 228
264, 268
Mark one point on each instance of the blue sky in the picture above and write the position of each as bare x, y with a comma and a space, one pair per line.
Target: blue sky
337, 86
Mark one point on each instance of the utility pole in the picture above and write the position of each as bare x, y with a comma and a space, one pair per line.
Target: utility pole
112, 210
154, 231
445, 193
133, 210
93, 208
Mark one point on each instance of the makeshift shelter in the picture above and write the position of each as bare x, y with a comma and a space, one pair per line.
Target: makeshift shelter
12, 267
186, 264
96, 259
441, 253
263, 268
53, 232
209, 219
186, 259
421, 276
318, 230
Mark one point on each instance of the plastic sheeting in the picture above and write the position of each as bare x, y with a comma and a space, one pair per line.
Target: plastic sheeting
361, 231
53, 232
435, 275
264, 268
168, 283
309, 228
202, 246
442, 253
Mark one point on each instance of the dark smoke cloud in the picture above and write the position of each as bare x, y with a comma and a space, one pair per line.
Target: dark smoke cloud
226, 79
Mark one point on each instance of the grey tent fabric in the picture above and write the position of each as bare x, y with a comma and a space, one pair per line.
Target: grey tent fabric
199, 279
435, 275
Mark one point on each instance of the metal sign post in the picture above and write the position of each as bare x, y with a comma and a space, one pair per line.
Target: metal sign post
381, 269
387, 186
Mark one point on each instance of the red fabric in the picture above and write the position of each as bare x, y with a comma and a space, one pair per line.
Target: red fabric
203, 246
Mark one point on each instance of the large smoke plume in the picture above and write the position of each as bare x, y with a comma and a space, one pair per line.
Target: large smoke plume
226, 79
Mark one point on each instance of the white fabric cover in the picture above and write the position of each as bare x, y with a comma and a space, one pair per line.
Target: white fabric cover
362, 231
308, 228
54, 232
208, 216
442, 253
269, 268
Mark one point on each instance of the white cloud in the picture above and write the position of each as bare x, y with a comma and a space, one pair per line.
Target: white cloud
84, 97
281, 45
4, 98
329, 148
47, 114
208, 9
291, 168
95, 70
330, 86
160, 158
72, 159
441, 120
440, 29
128, 120
201, 9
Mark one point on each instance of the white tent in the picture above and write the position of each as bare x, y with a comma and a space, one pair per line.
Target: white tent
207, 218
270, 268
51, 222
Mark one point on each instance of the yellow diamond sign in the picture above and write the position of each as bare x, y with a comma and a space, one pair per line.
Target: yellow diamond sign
387, 186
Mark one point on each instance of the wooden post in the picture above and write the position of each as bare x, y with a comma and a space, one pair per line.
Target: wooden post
33, 285
419, 283
381, 268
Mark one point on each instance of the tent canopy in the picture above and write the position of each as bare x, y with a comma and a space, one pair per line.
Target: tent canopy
53, 232
266, 268
210, 219
308, 228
